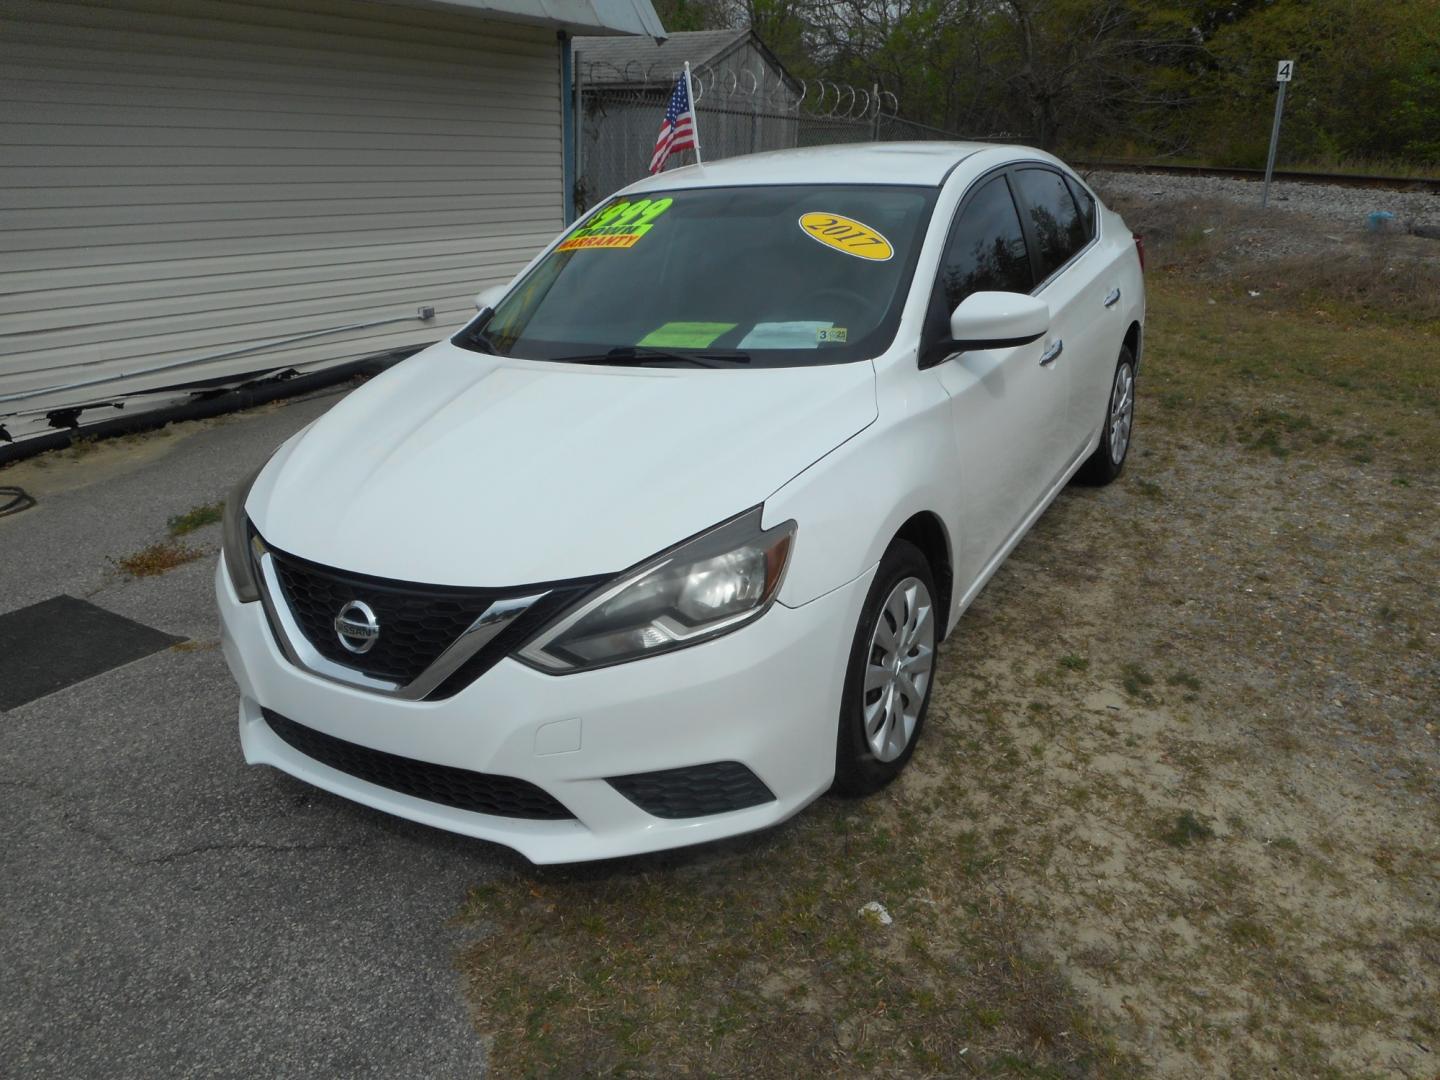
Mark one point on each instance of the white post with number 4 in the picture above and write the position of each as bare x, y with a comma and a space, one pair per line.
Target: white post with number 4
1283, 74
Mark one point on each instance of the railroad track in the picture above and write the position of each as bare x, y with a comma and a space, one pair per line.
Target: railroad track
1386, 183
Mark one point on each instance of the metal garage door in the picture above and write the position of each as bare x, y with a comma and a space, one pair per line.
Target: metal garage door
182, 179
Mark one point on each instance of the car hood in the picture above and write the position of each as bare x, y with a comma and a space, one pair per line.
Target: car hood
459, 468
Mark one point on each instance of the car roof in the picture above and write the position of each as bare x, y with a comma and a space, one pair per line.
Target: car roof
918, 163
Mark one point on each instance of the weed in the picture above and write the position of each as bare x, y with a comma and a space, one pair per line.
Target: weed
80, 447
1149, 489
1250, 933
196, 646
1072, 662
1269, 439
1184, 678
197, 517
1135, 679
1272, 427
1185, 829
158, 558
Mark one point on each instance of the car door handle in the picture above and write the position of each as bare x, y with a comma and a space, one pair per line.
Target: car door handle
1052, 354
1112, 298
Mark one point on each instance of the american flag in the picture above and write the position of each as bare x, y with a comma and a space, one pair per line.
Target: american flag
677, 131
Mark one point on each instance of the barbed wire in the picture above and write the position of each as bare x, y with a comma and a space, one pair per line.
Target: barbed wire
822, 98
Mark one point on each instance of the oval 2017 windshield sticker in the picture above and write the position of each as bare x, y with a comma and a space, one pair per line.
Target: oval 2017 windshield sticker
847, 235
619, 225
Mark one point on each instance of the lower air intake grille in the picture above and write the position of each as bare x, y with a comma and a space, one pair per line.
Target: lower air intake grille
482, 793
694, 791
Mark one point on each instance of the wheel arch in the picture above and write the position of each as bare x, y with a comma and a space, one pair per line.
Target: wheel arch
928, 533
1133, 338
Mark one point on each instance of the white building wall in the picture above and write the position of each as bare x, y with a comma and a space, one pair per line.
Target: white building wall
180, 178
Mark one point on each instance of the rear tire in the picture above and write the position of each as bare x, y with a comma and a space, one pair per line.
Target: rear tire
1105, 463
891, 671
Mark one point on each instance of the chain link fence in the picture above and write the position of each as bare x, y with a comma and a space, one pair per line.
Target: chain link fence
617, 128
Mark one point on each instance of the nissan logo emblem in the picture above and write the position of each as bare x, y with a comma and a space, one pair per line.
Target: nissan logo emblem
356, 627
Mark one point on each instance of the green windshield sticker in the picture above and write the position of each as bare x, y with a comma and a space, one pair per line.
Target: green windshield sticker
685, 335
619, 225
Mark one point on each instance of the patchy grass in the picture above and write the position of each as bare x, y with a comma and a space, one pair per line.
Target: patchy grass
158, 558
1285, 382
756, 959
197, 517
1072, 662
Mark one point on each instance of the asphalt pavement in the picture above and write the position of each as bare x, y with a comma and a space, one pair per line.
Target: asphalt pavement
166, 910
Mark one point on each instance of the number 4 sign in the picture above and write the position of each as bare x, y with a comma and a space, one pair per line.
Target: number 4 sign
1283, 74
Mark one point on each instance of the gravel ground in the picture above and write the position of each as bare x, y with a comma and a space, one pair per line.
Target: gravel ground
1345, 206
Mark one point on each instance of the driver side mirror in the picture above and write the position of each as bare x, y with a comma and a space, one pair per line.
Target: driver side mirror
489, 297
994, 320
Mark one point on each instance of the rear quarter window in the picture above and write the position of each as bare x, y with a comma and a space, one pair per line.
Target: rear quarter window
1086, 203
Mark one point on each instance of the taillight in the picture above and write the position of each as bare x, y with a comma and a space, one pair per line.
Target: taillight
1139, 249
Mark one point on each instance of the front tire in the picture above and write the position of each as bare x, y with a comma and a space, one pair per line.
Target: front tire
891, 671
1105, 463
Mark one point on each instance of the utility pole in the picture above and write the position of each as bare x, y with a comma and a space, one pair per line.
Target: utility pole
1283, 75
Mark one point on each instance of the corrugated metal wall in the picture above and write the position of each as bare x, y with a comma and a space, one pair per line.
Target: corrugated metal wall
182, 177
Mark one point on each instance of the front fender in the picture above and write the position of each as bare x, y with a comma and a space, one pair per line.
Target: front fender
850, 504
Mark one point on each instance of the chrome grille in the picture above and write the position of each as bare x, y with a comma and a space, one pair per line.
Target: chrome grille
417, 622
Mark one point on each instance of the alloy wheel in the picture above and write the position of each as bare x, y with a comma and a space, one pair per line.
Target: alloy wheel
897, 676
1122, 412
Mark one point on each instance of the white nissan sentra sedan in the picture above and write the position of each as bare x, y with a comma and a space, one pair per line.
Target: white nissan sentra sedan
660, 546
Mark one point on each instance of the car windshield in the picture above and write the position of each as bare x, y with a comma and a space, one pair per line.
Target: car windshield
765, 276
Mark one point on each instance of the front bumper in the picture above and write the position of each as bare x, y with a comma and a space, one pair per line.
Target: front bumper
767, 696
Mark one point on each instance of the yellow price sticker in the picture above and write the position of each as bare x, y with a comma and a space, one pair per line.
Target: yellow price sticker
847, 235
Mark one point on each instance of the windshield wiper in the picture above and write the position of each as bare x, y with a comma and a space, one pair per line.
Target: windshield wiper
636, 356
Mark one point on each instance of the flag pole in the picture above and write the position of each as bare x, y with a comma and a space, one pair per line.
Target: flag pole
694, 113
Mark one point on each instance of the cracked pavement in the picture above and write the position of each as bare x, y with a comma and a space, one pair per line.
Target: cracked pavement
166, 909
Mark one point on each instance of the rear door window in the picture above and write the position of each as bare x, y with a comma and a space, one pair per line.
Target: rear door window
1056, 225
987, 249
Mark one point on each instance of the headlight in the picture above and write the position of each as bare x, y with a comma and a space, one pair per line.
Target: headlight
704, 587
241, 544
